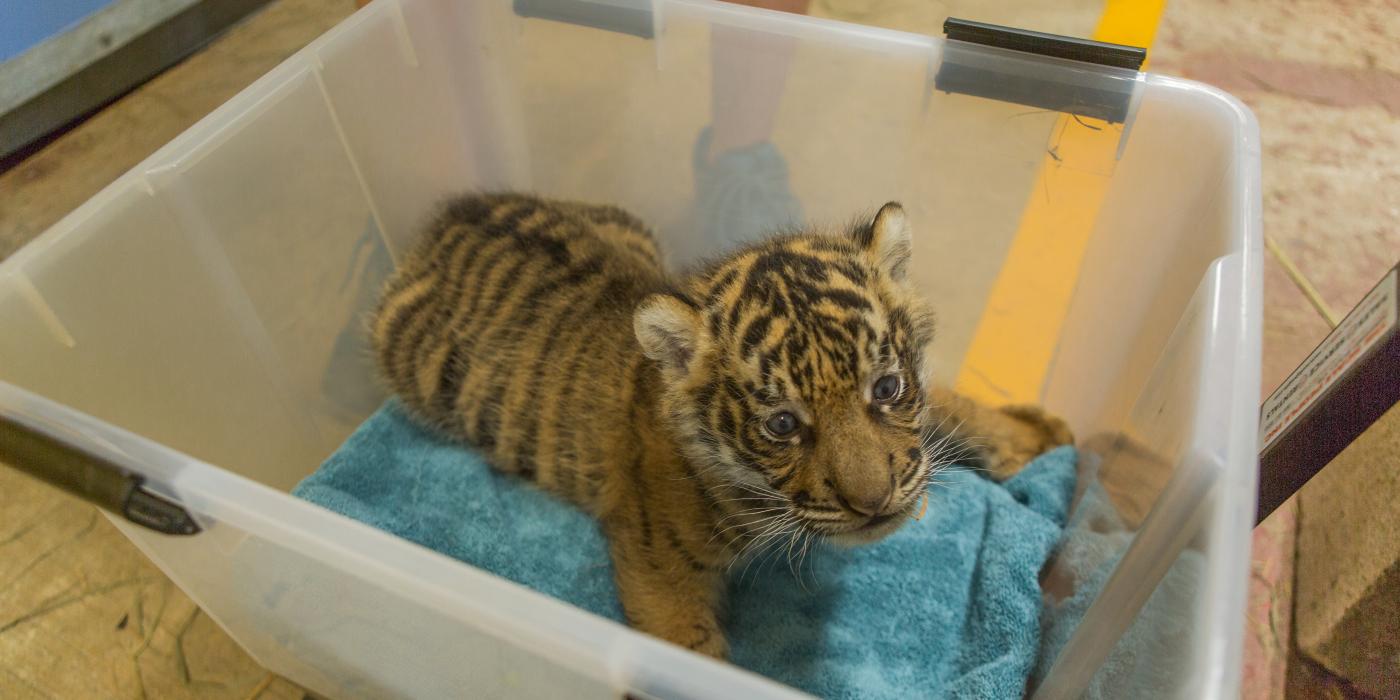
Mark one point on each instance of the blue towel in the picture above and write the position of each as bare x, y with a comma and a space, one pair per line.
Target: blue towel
948, 606
1154, 655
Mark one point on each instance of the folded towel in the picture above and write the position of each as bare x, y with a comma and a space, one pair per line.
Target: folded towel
1154, 654
948, 606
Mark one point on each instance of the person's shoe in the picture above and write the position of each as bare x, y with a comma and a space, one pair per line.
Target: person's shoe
351, 357
742, 195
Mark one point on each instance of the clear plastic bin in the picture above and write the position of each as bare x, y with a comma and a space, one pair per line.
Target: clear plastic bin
198, 320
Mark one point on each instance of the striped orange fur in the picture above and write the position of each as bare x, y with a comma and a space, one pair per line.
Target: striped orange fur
776, 396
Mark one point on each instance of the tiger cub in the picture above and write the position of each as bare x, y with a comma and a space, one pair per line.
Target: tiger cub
777, 395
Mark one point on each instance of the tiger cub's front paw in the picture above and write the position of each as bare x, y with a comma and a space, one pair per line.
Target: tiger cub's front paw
1021, 434
703, 637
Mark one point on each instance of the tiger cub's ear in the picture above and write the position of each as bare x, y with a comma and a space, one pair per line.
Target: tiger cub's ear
887, 240
669, 328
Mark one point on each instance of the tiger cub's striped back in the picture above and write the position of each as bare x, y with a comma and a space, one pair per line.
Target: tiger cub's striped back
511, 319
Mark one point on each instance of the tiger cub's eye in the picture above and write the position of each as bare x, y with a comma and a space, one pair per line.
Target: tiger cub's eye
887, 388
781, 425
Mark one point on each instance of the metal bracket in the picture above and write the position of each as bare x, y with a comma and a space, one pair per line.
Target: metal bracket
1346, 384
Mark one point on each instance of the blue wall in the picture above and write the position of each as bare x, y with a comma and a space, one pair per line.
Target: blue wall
24, 23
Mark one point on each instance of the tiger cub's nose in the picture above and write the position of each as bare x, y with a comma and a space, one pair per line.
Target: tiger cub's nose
865, 497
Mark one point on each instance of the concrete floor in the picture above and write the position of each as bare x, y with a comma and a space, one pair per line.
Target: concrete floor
84, 614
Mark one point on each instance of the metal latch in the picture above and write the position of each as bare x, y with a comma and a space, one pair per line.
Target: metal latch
91, 478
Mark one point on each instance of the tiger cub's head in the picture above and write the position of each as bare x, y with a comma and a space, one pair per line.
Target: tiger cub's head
795, 370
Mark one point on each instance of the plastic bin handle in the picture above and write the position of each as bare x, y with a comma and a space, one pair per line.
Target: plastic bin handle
1044, 71
1055, 45
90, 478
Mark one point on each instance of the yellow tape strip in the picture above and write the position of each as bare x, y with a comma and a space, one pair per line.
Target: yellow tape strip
1015, 341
